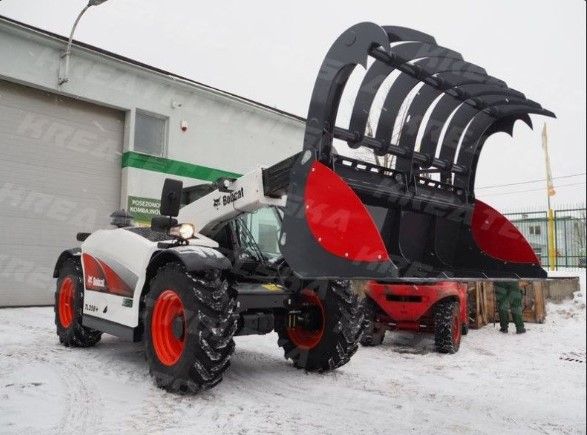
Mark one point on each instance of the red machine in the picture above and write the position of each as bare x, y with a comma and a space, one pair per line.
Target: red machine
439, 307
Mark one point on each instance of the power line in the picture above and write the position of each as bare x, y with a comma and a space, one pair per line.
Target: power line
530, 181
533, 190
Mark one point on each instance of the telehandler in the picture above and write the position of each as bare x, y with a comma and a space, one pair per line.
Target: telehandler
274, 250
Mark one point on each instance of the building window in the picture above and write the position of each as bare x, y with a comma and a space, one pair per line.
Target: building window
535, 230
150, 134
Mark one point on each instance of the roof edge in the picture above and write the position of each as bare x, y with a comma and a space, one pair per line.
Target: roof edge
151, 68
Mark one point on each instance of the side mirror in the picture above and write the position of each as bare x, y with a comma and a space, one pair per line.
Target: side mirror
171, 197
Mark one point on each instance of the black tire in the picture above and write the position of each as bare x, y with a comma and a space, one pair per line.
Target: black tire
343, 320
210, 324
372, 335
465, 329
447, 326
73, 334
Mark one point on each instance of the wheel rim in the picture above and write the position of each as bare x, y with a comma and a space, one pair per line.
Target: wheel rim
65, 304
456, 328
304, 338
168, 310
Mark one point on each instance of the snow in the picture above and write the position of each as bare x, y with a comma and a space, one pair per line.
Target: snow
532, 383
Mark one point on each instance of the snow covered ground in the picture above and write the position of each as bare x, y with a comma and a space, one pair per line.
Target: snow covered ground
533, 383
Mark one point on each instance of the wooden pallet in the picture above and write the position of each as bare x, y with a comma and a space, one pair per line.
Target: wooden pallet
535, 303
482, 303
479, 304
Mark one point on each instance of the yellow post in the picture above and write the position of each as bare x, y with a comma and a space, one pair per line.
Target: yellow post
551, 240
549, 192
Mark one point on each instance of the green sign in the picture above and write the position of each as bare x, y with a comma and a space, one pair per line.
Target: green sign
143, 209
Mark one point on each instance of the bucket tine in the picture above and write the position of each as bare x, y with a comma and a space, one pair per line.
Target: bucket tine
421, 50
459, 121
466, 114
488, 101
371, 83
377, 74
398, 33
483, 126
348, 51
481, 89
448, 104
392, 105
452, 72
456, 127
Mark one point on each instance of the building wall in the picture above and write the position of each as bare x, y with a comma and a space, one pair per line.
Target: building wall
224, 132
569, 239
225, 136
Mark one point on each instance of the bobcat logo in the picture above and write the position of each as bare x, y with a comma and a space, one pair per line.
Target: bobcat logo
95, 283
233, 196
216, 202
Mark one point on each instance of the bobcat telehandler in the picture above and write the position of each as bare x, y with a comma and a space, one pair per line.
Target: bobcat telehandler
274, 250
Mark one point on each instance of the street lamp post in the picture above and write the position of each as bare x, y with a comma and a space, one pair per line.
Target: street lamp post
64, 66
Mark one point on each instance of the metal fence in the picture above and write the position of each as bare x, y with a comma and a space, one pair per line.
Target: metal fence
569, 235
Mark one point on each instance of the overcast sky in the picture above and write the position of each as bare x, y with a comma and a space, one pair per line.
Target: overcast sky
270, 51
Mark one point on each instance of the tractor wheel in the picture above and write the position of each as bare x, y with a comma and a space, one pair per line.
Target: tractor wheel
69, 303
189, 322
448, 326
372, 335
332, 338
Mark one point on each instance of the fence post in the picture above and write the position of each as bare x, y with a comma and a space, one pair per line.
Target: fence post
551, 241
556, 244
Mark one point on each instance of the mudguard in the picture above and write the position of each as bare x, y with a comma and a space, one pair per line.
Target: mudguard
193, 258
68, 253
418, 219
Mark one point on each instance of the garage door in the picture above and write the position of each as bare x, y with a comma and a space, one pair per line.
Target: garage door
60, 174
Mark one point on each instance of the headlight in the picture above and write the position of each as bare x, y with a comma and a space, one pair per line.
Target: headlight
183, 231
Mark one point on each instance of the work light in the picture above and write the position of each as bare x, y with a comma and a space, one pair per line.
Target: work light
182, 231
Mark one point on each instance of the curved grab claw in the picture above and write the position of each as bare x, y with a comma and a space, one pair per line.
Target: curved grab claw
349, 50
425, 224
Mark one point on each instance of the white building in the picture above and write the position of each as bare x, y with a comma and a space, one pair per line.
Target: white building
569, 234
106, 139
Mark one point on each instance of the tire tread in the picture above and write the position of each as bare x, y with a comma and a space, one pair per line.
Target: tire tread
443, 324
76, 335
345, 334
216, 324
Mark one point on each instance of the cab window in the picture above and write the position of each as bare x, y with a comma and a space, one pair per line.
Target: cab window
261, 228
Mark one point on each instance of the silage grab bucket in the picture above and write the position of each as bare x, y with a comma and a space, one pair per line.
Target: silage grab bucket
418, 220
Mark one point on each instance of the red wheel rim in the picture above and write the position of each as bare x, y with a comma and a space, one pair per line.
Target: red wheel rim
456, 328
168, 307
304, 338
65, 304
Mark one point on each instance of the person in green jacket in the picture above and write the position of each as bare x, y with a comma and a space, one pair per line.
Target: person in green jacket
509, 298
